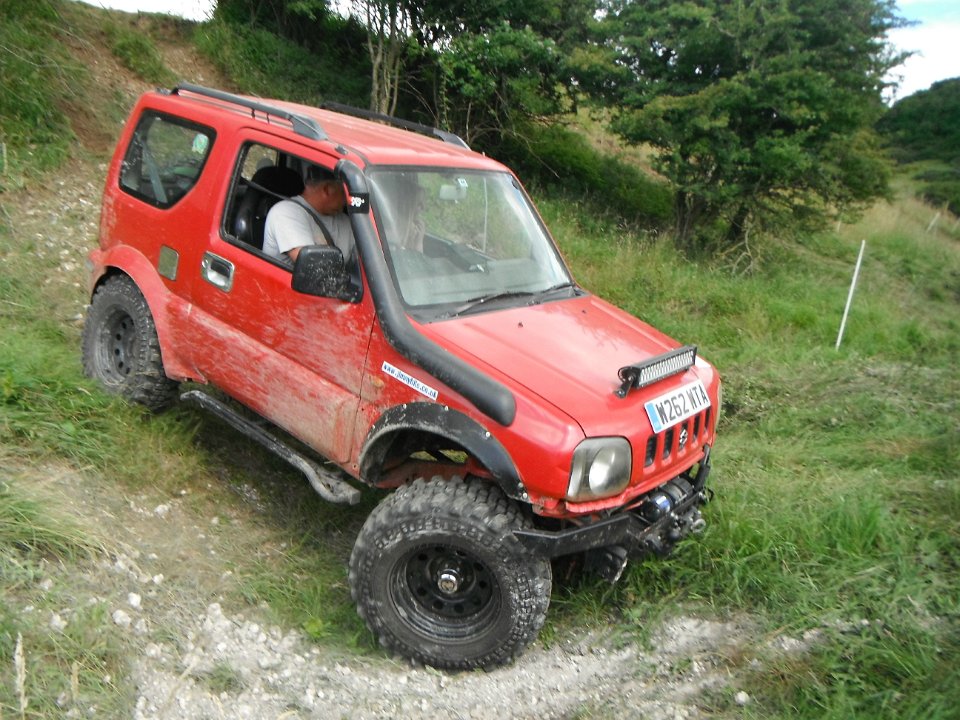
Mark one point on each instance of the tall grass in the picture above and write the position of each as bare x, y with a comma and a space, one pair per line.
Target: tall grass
835, 471
69, 667
26, 526
137, 52
263, 63
38, 78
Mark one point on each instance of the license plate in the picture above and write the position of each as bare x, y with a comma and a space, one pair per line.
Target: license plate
676, 406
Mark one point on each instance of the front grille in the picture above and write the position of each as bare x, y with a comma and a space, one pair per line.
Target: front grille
677, 439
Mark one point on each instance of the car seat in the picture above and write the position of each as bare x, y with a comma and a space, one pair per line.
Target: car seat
266, 188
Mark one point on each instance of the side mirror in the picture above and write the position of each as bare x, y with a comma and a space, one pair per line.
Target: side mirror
319, 270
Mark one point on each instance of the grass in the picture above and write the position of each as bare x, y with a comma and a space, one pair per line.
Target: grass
35, 134
301, 576
836, 471
138, 53
56, 668
262, 63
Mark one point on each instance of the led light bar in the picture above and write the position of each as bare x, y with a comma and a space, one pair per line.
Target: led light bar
657, 368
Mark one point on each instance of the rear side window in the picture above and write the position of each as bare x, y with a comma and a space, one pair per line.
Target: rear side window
165, 158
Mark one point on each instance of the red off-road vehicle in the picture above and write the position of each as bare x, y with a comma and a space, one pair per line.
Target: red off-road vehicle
518, 417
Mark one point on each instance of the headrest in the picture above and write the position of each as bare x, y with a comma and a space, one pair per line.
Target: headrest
282, 181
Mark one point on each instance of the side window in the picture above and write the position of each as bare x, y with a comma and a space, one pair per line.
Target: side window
263, 177
165, 158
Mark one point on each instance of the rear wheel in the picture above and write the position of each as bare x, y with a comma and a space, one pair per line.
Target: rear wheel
120, 345
439, 577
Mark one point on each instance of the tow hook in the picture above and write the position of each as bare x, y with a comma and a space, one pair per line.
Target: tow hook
608, 562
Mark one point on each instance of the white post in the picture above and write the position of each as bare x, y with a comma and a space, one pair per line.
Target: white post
853, 285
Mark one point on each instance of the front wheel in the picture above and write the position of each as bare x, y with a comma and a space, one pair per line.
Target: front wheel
439, 577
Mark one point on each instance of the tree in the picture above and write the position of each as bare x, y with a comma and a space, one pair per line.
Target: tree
760, 111
292, 19
389, 26
492, 81
926, 125
562, 21
477, 66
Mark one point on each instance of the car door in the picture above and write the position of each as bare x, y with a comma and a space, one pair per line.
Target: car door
295, 359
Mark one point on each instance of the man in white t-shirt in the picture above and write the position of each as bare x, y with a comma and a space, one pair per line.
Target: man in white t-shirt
292, 224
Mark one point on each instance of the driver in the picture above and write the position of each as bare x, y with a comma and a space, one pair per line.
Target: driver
314, 217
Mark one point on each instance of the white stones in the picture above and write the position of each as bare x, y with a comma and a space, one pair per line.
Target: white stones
57, 623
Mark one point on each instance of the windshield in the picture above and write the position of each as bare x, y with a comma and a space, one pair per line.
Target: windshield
460, 241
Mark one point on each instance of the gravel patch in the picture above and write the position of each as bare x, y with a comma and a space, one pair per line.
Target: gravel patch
232, 667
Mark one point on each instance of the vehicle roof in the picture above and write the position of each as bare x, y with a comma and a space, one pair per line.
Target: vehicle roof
366, 141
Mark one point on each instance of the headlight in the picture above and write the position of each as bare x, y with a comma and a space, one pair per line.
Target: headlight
601, 468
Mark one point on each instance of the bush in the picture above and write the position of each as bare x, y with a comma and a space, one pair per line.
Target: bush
942, 187
556, 157
263, 63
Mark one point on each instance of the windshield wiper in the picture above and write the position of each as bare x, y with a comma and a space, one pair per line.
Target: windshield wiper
481, 301
556, 288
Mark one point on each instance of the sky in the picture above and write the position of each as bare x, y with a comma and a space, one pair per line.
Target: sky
933, 38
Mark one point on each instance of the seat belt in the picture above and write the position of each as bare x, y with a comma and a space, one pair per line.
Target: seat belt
316, 218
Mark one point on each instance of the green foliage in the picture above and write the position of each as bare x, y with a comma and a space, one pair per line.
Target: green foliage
308, 23
44, 402
941, 187
759, 112
38, 80
78, 668
562, 21
926, 125
261, 62
137, 53
492, 81
223, 678
835, 472
559, 158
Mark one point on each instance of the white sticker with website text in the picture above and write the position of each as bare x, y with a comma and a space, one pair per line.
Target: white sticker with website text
409, 380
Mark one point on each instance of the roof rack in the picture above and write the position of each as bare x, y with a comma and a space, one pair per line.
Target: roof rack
305, 126
396, 122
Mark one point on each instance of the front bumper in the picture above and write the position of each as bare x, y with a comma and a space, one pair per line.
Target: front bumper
634, 530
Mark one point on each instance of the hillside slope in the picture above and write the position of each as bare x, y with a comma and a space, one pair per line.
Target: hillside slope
160, 567
179, 520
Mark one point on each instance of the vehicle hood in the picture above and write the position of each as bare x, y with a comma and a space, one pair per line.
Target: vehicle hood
568, 352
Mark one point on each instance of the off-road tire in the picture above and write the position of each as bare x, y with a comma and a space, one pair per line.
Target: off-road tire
120, 345
439, 577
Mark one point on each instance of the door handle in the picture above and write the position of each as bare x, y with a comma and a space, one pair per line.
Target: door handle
217, 271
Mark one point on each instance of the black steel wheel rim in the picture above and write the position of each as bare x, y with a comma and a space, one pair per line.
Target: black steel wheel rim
444, 591
118, 346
